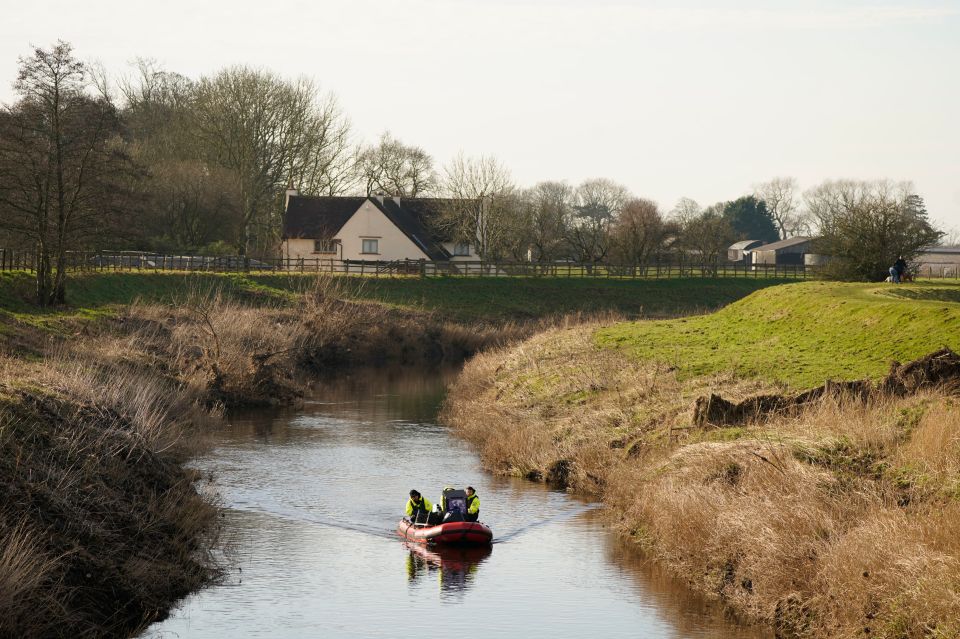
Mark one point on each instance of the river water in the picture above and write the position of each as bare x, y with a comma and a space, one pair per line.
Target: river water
312, 500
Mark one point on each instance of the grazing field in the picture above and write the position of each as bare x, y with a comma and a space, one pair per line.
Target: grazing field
502, 299
839, 518
802, 334
457, 299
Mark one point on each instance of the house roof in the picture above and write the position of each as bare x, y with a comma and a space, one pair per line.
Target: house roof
410, 216
323, 217
952, 250
318, 217
782, 244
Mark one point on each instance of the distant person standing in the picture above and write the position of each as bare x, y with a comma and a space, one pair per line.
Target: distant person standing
473, 505
898, 269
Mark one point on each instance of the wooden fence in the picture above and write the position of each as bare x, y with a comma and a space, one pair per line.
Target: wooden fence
11, 260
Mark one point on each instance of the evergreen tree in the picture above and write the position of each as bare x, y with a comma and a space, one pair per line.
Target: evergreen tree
750, 219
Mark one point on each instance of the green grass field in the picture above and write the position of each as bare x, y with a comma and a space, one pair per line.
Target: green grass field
458, 299
802, 334
499, 299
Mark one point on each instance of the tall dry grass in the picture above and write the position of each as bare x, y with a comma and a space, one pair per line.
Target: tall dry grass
102, 527
556, 402
236, 353
26, 572
839, 521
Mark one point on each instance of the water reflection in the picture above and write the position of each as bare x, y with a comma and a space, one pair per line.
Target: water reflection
455, 566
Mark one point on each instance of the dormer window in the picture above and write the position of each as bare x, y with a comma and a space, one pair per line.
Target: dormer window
325, 246
461, 249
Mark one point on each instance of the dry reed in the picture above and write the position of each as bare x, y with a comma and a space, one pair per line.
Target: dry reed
838, 521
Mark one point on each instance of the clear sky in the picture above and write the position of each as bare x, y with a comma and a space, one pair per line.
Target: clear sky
697, 99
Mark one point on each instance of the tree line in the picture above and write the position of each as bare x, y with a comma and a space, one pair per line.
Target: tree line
159, 161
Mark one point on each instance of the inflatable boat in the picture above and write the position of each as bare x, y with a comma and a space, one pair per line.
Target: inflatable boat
463, 533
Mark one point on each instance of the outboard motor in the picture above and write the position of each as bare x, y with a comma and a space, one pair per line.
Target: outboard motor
454, 504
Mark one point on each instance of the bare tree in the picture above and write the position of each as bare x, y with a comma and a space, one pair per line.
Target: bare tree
638, 233
158, 111
685, 210
327, 163
865, 226
597, 203
781, 197
546, 209
513, 239
706, 237
480, 203
63, 172
951, 237
822, 199
267, 131
396, 169
193, 204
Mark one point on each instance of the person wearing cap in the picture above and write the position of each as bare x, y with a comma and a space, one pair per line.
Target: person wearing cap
473, 505
418, 507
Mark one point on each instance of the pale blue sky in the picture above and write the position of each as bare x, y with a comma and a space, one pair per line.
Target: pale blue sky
697, 99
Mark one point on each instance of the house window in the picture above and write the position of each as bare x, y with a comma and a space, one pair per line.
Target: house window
461, 249
324, 246
371, 246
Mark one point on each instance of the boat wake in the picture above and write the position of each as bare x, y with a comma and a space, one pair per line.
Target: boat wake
292, 513
387, 528
566, 515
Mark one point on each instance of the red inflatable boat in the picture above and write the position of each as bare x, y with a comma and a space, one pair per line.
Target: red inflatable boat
463, 533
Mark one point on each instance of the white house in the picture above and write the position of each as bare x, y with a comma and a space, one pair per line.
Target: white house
374, 228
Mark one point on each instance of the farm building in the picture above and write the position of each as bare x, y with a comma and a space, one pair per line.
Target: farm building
739, 252
374, 228
789, 251
938, 261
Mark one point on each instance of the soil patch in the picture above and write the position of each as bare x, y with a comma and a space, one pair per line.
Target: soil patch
938, 370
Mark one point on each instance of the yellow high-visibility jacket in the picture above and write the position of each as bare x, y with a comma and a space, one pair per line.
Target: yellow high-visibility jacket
423, 504
473, 504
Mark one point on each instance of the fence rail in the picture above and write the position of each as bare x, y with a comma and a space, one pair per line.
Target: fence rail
11, 260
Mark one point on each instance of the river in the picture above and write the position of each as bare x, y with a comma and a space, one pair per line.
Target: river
312, 497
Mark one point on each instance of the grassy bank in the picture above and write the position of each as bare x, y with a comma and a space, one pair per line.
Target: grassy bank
802, 334
838, 520
522, 299
464, 300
